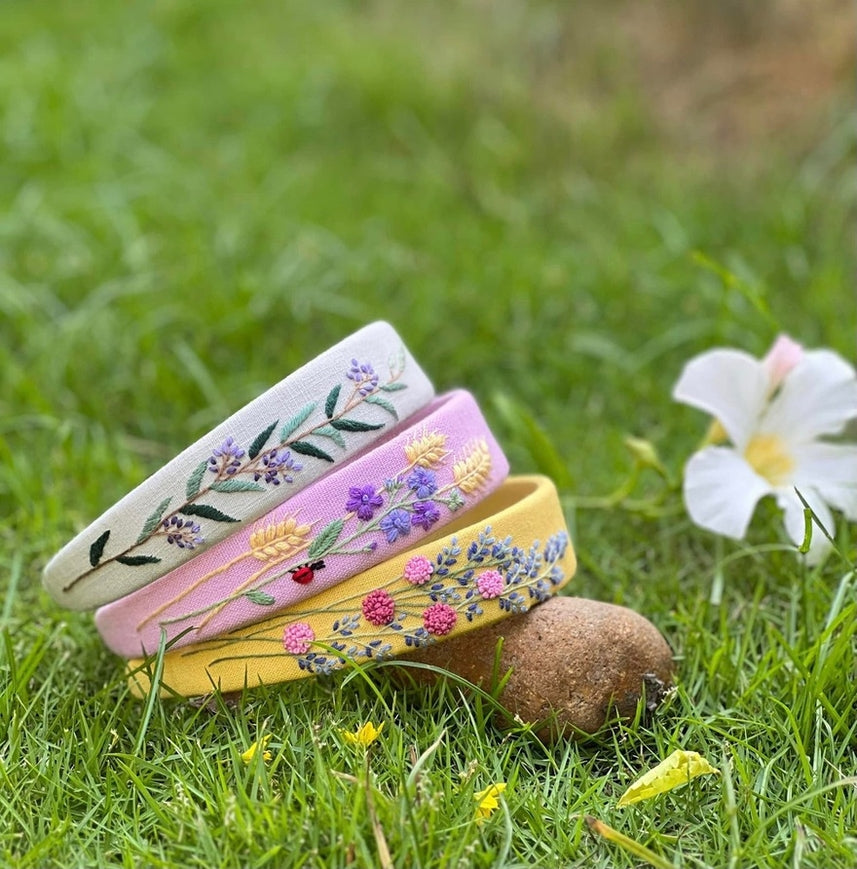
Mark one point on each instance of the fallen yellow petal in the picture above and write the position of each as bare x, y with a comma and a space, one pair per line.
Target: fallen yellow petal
248, 755
486, 800
365, 736
677, 770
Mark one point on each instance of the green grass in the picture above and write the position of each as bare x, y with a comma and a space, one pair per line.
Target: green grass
194, 199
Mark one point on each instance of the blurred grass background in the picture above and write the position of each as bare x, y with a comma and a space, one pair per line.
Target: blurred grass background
542, 197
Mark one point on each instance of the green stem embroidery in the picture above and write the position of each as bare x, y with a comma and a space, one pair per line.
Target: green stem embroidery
225, 482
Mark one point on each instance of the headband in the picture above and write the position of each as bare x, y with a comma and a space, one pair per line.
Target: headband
411, 484
326, 411
507, 554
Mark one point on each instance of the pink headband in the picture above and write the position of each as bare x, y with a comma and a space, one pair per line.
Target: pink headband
381, 503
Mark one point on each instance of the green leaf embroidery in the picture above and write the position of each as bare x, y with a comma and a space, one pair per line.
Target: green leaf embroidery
326, 538
354, 425
137, 560
298, 419
207, 512
152, 522
194, 481
382, 402
306, 449
236, 486
260, 440
328, 431
395, 386
332, 398
97, 549
260, 597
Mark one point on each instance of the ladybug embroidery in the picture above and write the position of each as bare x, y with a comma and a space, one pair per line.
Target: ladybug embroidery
305, 573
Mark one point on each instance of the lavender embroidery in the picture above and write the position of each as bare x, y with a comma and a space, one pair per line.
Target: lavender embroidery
370, 515
236, 469
364, 501
419, 611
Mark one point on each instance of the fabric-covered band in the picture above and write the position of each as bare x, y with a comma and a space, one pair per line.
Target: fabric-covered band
322, 414
412, 483
505, 555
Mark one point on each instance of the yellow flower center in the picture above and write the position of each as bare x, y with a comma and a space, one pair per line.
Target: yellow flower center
768, 457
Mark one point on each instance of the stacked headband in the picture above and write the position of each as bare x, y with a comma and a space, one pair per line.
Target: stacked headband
324, 413
415, 481
507, 554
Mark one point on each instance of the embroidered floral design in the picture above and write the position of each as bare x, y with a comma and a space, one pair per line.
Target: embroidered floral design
396, 524
390, 516
364, 377
418, 570
439, 619
235, 468
226, 459
378, 607
364, 501
413, 610
297, 638
425, 514
490, 584
184, 533
423, 483
277, 464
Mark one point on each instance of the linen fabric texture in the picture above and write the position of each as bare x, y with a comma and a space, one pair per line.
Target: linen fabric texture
507, 554
324, 413
412, 483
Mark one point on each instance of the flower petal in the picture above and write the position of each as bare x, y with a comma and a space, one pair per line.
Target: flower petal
817, 397
721, 491
830, 469
730, 385
780, 359
794, 522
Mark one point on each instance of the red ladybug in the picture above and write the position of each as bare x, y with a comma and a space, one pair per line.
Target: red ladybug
305, 573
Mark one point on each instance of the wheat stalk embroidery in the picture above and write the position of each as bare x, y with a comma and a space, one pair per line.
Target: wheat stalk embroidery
409, 499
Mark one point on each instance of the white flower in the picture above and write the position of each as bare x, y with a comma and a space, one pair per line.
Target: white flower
775, 412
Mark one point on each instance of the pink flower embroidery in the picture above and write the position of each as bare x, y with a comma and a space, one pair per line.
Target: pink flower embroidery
418, 570
297, 637
490, 584
439, 619
378, 607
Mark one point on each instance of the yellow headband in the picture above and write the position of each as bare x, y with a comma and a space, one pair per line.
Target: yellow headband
505, 555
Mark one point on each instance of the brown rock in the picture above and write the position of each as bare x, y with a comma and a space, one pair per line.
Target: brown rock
575, 664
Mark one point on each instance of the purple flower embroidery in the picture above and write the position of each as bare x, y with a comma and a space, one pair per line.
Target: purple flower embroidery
276, 464
364, 376
183, 533
396, 524
364, 501
227, 457
425, 514
423, 483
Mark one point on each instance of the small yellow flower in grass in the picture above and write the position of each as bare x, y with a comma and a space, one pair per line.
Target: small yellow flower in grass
248, 755
365, 736
487, 802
